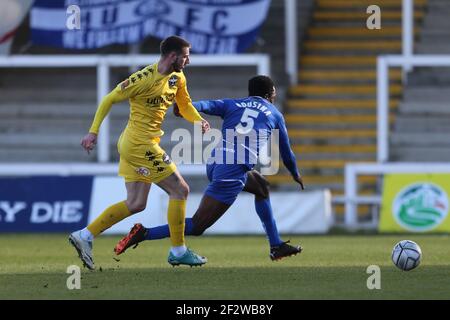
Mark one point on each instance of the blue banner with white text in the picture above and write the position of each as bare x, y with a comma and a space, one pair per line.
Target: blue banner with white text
211, 26
44, 204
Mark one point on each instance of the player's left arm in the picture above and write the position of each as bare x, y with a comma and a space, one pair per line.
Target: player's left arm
287, 155
185, 106
210, 107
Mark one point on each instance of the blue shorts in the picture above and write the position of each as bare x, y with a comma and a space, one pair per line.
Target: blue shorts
226, 181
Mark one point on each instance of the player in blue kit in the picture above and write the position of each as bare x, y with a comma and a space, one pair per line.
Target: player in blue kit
247, 127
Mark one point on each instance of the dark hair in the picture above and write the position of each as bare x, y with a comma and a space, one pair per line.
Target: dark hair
260, 86
173, 43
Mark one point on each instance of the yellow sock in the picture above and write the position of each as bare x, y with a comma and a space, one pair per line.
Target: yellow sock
109, 217
175, 216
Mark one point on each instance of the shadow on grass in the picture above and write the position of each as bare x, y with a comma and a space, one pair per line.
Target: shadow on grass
255, 283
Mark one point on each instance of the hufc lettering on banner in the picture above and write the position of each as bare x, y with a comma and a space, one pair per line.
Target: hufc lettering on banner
216, 27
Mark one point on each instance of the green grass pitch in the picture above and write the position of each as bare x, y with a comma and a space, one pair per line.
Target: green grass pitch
33, 266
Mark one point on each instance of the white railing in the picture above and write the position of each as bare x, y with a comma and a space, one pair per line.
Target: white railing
104, 63
383, 64
291, 40
352, 199
407, 33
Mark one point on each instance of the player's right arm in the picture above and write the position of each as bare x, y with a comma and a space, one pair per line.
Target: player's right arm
123, 91
184, 106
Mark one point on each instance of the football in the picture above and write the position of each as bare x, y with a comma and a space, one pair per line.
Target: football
406, 255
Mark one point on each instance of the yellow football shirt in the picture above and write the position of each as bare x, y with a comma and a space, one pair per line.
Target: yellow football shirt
150, 95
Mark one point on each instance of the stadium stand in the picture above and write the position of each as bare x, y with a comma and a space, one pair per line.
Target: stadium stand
331, 113
48, 127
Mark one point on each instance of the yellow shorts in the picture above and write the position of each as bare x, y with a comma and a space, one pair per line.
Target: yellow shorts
143, 162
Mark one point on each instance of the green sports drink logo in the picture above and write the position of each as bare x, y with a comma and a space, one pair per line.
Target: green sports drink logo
420, 207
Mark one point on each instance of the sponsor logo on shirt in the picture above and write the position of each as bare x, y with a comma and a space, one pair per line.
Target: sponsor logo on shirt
173, 81
155, 101
143, 171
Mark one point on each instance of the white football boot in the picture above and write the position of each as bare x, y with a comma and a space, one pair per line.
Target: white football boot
84, 249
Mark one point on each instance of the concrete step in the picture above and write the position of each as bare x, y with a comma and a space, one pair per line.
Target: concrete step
330, 148
201, 76
210, 93
49, 148
363, 52
433, 47
420, 154
25, 140
331, 137
198, 82
357, 15
425, 108
339, 164
420, 139
55, 110
347, 156
333, 140
430, 31
414, 123
437, 6
332, 111
68, 78
332, 126
426, 94
363, 4
19, 141
53, 126
436, 20
316, 46
340, 76
355, 32
328, 134
423, 77
338, 61
357, 23
437, 3
317, 104
330, 54
437, 12
331, 119
320, 171
39, 154
345, 90
61, 95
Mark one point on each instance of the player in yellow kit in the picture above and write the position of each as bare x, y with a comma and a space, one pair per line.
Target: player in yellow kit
150, 91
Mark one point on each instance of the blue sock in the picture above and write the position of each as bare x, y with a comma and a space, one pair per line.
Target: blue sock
264, 211
162, 232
